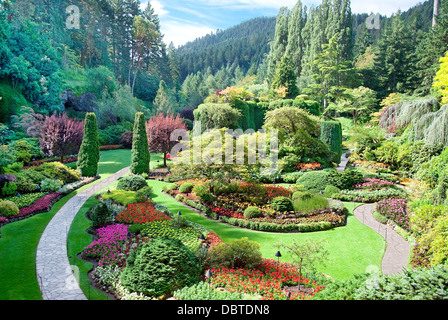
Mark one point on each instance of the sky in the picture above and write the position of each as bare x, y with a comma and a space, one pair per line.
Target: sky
186, 20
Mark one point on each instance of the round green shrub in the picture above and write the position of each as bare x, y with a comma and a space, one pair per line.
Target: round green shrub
144, 194
252, 212
314, 181
207, 197
186, 188
159, 267
302, 195
282, 204
240, 253
131, 183
8, 209
170, 187
331, 190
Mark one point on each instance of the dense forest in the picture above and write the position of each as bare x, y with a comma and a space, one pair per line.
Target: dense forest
117, 62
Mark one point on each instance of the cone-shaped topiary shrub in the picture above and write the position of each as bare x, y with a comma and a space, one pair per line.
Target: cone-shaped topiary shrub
140, 148
89, 153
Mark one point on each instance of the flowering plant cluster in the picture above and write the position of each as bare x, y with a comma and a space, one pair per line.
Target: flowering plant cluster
141, 213
309, 166
369, 164
213, 239
374, 184
108, 247
395, 210
274, 191
42, 204
267, 280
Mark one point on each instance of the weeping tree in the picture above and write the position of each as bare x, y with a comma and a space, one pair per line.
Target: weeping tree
427, 121
432, 127
406, 113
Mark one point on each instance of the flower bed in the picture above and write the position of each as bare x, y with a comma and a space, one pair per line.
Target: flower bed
230, 207
374, 184
108, 247
42, 204
140, 213
267, 280
369, 196
395, 209
25, 200
309, 166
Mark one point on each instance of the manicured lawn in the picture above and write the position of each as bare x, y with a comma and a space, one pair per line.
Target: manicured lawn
352, 249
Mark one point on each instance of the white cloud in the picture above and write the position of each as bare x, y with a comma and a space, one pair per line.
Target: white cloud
157, 5
181, 32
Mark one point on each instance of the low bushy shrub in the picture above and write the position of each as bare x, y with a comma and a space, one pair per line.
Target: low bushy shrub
131, 183
282, 204
8, 209
314, 181
144, 194
121, 197
60, 171
330, 191
186, 188
101, 215
159, 267
252, 212
169, 187
50, 185
240, 253
346, 179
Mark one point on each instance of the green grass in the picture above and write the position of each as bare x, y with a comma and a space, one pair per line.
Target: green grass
18, 247
353, 249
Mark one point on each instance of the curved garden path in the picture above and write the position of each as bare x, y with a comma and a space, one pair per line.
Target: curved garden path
397, 249
55, 276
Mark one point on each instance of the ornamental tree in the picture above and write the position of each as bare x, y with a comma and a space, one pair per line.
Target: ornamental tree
140, 151
159, 130
89, 153
61, 136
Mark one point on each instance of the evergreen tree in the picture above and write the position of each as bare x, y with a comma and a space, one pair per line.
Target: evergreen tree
278, 47
89, 153
334, 74
286, 77
163, 101
294, 48
140, 149
395, 59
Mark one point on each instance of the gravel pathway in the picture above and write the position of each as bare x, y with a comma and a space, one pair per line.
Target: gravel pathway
56, 278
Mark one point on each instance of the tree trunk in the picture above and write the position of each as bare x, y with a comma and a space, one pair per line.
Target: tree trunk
435, 12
